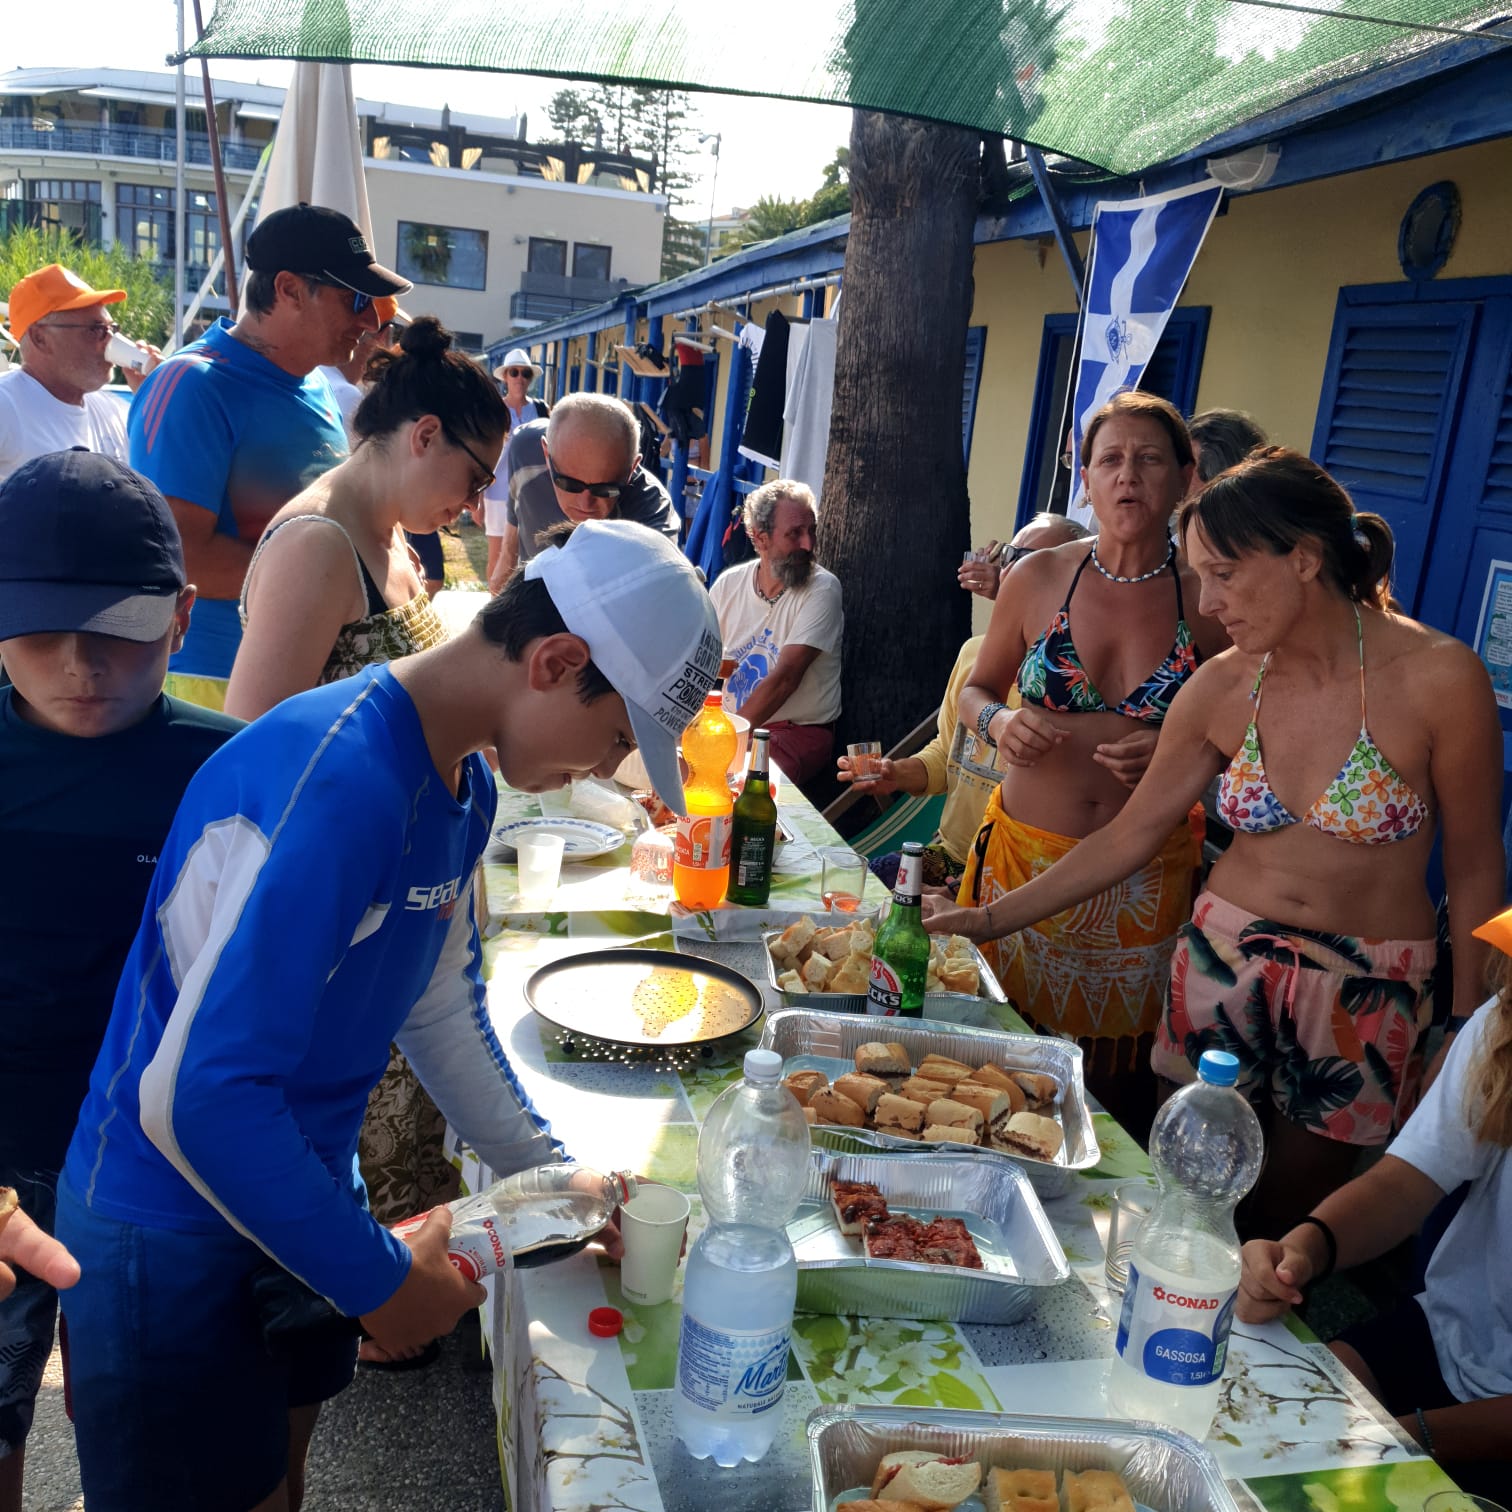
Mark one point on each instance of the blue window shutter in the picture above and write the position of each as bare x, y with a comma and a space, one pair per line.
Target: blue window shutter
1391, 395
976, 347
1176, 364
1498, 493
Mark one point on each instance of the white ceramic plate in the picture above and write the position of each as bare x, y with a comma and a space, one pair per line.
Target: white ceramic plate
582, 839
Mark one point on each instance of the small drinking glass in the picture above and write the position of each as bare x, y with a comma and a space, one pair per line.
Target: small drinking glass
1460, 1501
865, 757
844, 878
1132, 1202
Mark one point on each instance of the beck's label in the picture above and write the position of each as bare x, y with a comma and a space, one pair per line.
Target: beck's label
725, 1370
1175, 1332
703, 841
884, 990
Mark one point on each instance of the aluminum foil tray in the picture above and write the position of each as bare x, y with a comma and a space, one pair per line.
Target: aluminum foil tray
809, 1041
944, 1007
1021, 1257
1164, 1470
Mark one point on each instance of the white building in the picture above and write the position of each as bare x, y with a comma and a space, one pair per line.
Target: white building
496, 232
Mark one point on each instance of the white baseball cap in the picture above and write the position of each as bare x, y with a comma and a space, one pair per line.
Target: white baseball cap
650, 626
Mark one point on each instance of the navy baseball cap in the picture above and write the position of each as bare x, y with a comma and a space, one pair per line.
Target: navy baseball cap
313, 240
86, 544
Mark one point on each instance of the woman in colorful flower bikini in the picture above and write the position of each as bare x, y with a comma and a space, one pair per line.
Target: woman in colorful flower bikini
1346, 739
1078, 630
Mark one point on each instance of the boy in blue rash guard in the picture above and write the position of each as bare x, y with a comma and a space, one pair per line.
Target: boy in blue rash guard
313, 902
93, 761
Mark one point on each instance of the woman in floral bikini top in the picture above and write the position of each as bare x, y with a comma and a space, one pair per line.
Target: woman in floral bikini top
1311, 954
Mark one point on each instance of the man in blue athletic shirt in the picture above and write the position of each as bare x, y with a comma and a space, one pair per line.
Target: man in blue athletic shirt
93, 761
235, 424
313, 902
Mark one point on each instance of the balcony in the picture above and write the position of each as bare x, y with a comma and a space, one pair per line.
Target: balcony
79, 217
549, 296
153, 143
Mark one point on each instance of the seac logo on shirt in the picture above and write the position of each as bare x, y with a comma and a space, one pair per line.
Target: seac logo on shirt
442, 896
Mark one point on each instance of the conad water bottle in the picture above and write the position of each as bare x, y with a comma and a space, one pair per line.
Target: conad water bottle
551, 1204
1184, 1269
741, 1280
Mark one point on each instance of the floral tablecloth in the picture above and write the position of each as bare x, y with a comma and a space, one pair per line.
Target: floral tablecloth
585, 1423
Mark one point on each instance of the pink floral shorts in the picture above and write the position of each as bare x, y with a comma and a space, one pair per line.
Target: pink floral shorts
1328, 1025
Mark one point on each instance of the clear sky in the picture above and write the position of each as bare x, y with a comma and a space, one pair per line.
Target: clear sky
769, 146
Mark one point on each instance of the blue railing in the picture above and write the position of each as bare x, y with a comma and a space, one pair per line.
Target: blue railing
151, 142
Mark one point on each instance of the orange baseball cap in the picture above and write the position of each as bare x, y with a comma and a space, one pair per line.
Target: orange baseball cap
49, 290
1497, 931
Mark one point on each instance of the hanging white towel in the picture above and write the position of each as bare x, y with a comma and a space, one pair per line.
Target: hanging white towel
811, 388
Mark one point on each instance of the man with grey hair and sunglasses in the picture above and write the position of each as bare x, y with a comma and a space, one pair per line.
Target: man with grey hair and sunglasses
581, 464
782, 622
238, 422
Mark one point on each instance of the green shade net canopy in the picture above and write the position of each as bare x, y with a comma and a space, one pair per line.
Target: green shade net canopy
1119, 83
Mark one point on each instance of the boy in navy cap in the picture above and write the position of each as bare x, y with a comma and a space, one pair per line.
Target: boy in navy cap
93, 761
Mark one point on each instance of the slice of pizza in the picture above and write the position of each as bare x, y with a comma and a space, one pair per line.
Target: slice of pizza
947, 1241
856, 1203
894, 1238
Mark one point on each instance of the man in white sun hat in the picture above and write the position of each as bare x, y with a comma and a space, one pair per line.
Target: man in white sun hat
282, 948
517, 372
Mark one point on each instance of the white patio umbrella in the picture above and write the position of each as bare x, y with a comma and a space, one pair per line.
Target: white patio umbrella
317, 152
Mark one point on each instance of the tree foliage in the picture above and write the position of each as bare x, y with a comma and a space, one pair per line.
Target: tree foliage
772, 216
147, 312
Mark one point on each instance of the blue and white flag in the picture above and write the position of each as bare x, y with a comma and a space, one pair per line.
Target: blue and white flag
1142, 252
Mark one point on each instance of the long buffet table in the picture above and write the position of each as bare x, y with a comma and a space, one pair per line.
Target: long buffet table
585, 1423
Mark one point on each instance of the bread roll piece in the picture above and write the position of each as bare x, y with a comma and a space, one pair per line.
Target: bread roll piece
942, 1068
803, 1085
959, 947
894, 1114
990, 1102
810, 1115
1040, 1089
876, 1059
1020, 1491
886, 1504
864, 1091
933, 1482
816, 972
790, 981
920, 1089
830, 1107
1095, 1491
960, 976
789, 945
994, 1076
1030, 1134
852, 975
833, 943
949, 1134
951, 1114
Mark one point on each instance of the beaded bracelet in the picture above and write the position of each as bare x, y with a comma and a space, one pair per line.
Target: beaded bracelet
1424, 1436
984, 722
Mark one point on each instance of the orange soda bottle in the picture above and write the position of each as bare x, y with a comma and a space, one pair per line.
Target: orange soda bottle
701, 864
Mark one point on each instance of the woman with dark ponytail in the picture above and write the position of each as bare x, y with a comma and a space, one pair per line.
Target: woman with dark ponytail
334, 587
1346, 738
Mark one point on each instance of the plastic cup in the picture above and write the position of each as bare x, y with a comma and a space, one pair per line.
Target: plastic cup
844, 877
652, 1224
124, 352
1132, 1202
1460, 1501
540, 865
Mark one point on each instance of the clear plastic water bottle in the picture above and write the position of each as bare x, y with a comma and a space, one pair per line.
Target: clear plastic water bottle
741, 1279
550, 1204
1173, 1332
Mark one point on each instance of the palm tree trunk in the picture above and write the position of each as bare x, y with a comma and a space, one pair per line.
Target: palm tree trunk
894, 516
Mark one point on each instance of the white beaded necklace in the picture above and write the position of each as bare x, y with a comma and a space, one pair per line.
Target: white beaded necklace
1143, 577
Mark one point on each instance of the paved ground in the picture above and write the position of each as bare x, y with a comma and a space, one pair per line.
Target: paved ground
423, 1442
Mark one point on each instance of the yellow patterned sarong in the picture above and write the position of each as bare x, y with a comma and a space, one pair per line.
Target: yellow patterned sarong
1100, 969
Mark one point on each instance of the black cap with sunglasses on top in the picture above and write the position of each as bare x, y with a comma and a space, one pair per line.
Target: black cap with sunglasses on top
321, 243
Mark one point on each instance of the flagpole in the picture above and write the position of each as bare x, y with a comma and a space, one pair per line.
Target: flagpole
222, 208
180, 211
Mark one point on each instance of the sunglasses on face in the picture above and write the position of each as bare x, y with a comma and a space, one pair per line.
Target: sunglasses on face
519, 373
360, 302
593, 490
489, 476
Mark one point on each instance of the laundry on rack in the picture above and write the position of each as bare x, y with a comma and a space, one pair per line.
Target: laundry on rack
762, 438
810, 396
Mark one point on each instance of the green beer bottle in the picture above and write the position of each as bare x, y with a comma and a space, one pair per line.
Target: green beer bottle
754, 836
900, 956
